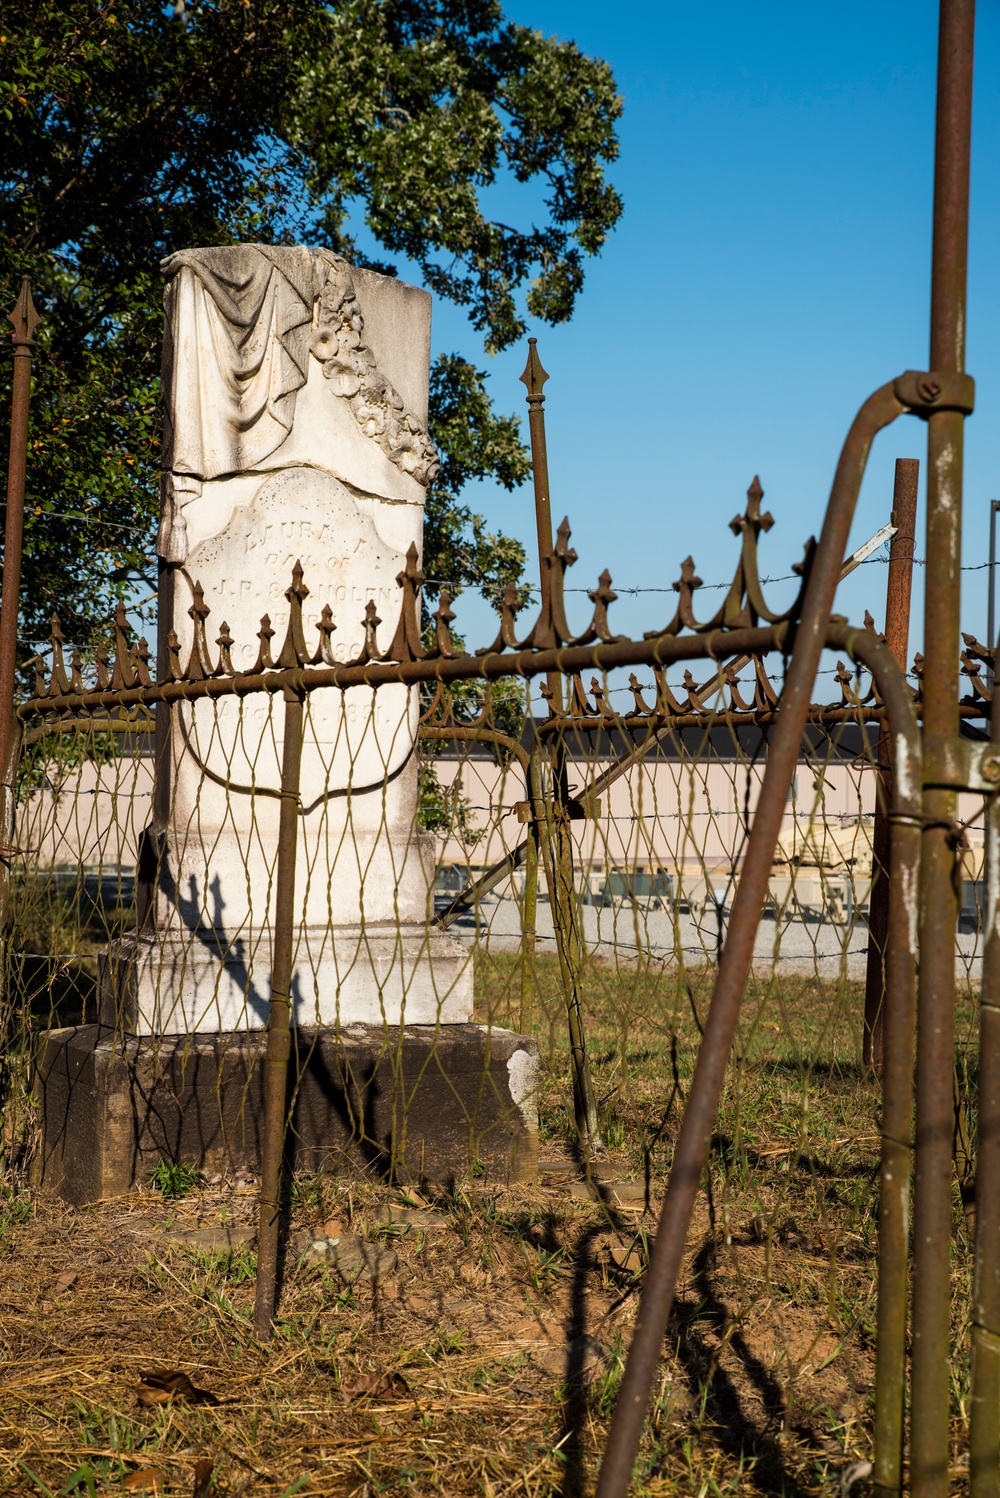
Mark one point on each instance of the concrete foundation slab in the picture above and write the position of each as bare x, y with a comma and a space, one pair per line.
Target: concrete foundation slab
420, 1102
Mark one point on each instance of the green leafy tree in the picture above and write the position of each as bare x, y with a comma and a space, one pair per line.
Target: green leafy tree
443, 810
130, 131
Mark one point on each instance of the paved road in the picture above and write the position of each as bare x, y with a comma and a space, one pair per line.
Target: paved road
798, 946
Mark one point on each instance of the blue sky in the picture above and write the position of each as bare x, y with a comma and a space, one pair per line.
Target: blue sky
772, 268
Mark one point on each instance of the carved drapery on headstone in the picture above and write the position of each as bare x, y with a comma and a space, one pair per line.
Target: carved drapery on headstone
242, 323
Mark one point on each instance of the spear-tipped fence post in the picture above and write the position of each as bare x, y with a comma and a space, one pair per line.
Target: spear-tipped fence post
557, 838
279, 1040
24, 320
534, 379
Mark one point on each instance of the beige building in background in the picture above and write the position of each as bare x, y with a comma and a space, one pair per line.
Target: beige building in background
667, 827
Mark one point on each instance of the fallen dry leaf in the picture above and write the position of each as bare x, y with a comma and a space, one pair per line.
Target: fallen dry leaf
202, 1479
378, 1385
149, 1398
160, 1385
149, 1480
68, 1278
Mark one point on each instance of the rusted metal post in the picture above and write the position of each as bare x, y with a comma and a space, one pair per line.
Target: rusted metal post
932, 1223
558, 838
984, 1413
279, 1041
534, 379
691, 1149
25, 320
898, 1026
897, 636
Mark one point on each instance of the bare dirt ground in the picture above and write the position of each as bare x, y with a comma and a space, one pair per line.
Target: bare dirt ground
481, 1356
472, 1341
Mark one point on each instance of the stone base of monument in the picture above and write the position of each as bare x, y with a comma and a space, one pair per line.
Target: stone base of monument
187, 982
442, 1104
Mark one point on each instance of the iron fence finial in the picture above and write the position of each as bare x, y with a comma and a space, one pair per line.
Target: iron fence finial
23, 317
534, 376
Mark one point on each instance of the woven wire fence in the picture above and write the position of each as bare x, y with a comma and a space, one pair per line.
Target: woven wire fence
563, 875
774, 1334
487, 905
398, 820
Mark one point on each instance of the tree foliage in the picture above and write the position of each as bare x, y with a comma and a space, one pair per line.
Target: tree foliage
131, 131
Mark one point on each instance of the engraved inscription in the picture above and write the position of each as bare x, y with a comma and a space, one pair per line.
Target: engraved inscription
306, 515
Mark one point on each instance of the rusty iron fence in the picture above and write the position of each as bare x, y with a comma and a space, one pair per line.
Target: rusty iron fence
575, 841
779, 900
587, 856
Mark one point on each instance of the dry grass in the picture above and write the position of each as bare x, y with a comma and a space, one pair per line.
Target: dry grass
508, 1323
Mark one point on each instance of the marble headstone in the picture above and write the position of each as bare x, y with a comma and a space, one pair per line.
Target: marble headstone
295, 393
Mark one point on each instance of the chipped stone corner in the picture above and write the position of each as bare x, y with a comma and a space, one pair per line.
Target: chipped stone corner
523, 1071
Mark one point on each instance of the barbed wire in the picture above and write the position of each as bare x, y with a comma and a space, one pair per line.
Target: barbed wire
785, 578
442, 582
117, 525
